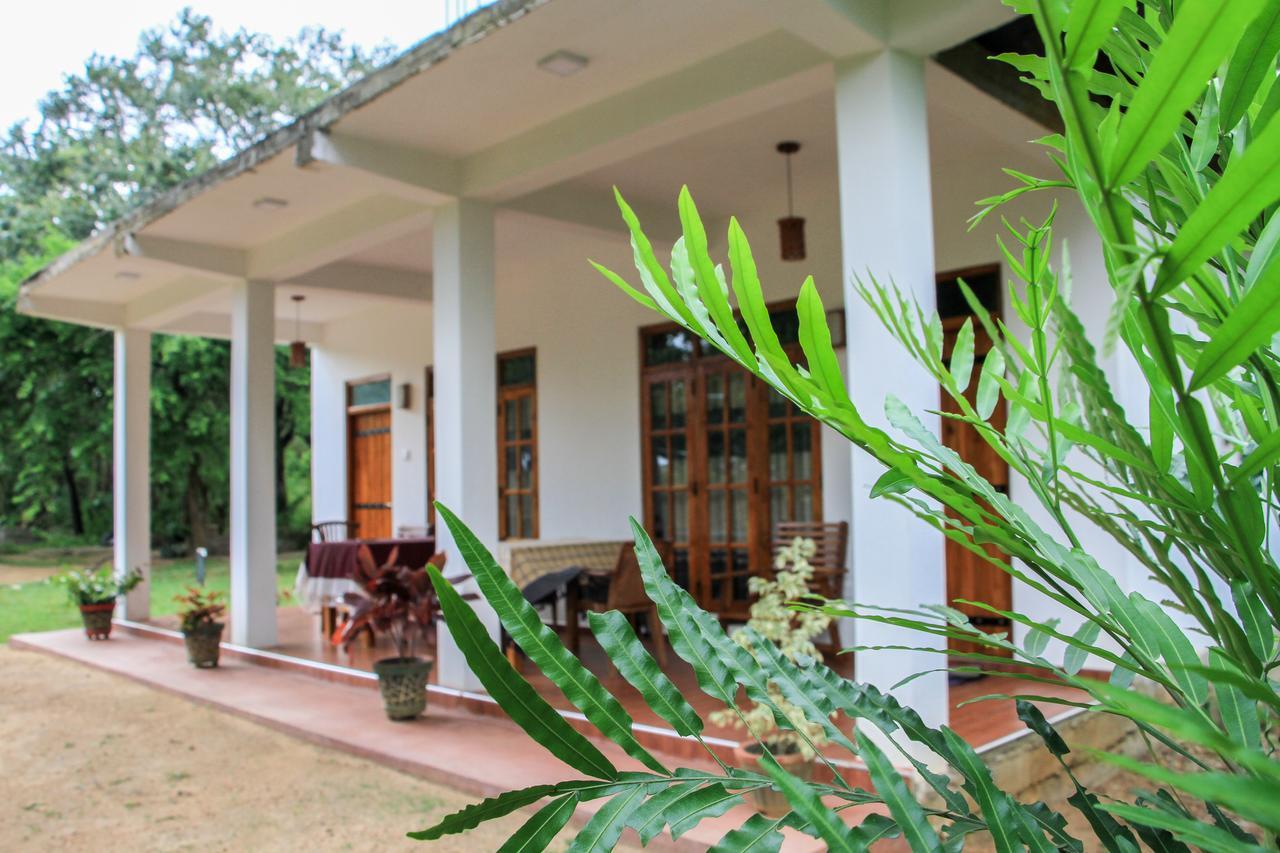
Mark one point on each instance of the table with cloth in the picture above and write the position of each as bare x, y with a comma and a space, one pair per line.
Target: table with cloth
328, 570
546, 570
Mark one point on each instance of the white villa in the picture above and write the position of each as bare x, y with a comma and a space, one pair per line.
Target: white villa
438, 218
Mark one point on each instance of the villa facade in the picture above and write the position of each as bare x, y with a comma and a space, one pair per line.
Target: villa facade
438, 218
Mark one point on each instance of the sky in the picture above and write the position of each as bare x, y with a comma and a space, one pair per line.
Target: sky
42, 41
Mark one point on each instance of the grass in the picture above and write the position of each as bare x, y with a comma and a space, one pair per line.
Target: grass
43, 606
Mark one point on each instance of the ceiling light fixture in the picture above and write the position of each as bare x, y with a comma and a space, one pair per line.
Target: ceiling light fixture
297, 349
563, 63
790, 227
268, 202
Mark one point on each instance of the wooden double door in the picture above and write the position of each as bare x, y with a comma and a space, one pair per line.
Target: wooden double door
725, 457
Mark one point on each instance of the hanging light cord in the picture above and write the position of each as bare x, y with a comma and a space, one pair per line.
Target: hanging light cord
790, 206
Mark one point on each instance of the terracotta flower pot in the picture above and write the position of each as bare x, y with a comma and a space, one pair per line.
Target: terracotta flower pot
403, 683
771, 802
97, 619
203, 644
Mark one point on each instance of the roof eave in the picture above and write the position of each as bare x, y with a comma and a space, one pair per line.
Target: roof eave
426, 53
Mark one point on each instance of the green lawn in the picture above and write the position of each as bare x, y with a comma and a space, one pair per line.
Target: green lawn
43, 606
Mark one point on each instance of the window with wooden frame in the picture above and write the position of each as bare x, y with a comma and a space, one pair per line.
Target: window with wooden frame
517, 445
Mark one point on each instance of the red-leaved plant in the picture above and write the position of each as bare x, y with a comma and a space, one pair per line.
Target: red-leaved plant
393, 599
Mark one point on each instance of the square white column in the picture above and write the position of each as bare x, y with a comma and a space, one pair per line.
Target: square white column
253, 479
886, 222
131, 481
465, 419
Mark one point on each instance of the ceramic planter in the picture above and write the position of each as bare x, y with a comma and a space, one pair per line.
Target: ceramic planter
203, 644
403, 682
97, 619
771, 802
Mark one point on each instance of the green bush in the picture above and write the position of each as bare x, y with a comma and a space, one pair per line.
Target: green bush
1171, 145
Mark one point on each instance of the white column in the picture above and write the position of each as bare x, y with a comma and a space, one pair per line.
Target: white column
886, 223
253, 478
132, 466
465, 393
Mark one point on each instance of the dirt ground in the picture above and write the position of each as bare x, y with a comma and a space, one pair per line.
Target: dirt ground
92, 761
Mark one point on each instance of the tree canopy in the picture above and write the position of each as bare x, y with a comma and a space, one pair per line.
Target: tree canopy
114, 135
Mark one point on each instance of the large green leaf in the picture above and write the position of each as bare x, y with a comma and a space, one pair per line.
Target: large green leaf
1203, 835
543, 646
618, 639
1250, 184
536, 834
1088, 24
1203, 34
1250, 325
681, 617
809, 806
475, 814
758, 834
1253, 58
602, 831
904, 808
521, 702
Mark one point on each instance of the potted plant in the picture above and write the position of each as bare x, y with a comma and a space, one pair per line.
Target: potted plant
793, 632
393, 600
95, 591
201, 613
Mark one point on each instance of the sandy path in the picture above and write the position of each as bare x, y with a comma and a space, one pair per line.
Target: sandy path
95, 762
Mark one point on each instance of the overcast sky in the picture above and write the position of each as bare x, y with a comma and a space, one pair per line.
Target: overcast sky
42, 40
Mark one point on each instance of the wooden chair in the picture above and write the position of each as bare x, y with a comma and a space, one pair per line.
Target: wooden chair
334, 531
829, 560
626, 595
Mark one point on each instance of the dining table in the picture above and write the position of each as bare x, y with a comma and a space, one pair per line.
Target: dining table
328, 569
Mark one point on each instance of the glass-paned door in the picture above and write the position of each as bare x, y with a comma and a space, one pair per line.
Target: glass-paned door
666, 466
794, 477
724, 459
726, 405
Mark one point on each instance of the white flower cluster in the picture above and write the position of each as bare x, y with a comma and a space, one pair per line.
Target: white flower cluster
792, 632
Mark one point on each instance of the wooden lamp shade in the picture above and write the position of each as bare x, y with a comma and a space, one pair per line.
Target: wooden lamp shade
791, 235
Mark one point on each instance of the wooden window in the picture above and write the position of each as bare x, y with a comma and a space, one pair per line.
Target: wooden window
517, 445
369, 456
724, 459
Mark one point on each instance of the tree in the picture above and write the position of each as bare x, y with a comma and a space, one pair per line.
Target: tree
115, 135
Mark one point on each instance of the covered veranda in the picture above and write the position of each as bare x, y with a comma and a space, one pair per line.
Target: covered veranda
441, 212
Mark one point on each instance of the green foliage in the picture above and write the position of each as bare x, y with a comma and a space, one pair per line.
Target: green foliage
1171, 148
112, 137
97, 586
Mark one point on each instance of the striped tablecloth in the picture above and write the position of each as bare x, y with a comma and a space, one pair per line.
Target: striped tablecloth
526, 560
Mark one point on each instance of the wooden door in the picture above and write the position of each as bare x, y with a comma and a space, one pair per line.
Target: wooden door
369, 479
724, 459
969, 576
